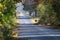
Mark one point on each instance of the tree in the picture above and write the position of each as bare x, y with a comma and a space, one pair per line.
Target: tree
49, 11
7, 18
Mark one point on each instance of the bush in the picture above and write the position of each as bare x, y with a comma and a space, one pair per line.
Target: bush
49, 14
7, 18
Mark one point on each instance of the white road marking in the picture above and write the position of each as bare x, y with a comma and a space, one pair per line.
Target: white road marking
38, 35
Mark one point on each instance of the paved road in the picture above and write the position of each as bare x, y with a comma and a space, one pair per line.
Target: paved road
41, 38
28, 31
24, 19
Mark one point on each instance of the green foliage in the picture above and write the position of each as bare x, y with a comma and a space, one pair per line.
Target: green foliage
7, 18
49, 12
56, 7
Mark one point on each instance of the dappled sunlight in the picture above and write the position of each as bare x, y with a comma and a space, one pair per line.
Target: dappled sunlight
29, 19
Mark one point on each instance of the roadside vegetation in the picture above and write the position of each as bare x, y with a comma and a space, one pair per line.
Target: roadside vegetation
48, 10
7, 19
49, 13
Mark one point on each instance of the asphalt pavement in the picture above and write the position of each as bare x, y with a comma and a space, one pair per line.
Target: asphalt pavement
28, 31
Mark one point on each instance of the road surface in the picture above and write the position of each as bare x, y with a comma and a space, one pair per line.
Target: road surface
28, 31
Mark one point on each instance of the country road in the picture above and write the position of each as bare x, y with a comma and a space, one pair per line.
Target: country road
28, 31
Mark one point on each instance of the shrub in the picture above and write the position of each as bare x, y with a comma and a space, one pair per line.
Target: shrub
49, 14
7, 18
